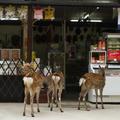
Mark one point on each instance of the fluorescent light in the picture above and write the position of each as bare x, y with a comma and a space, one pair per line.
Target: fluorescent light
94, 20
74, 20
9, 19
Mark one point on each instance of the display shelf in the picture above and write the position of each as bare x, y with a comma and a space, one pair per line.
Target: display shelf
97, 57
8, 54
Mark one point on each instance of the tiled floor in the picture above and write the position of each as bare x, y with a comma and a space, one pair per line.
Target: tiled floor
13, 111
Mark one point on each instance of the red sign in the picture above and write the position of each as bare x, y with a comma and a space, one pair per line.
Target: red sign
38, 13
113, 55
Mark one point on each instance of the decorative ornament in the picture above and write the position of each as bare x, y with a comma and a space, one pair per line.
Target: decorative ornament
22, 12
1, 12
49, 13
10, 12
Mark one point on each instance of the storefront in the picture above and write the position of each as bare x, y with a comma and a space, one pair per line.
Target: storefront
59, 35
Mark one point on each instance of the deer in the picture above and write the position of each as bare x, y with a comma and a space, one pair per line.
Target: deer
55, 83
92, 81
33, 82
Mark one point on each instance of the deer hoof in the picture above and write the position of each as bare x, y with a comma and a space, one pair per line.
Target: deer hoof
48, 105
23, 113
51, 109
38, 110
102, 107
32, 115
96, 107
87, 109
56, 105
78, 108
61, 110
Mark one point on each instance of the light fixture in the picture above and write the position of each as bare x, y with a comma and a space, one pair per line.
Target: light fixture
9, 18
94, 21
74, 20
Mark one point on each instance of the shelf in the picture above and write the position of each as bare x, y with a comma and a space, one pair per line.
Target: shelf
98, 50
97, 57
113, 48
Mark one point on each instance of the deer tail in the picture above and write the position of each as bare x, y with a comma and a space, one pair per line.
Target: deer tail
28, 81
82, 81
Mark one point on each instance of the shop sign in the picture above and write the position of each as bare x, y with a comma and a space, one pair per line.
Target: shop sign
11, 12
38, 13
49, 13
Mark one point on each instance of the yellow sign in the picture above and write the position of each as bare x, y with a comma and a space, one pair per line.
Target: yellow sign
49, 13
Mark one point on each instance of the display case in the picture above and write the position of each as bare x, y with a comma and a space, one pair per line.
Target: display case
113, 48
111, 92
97, 57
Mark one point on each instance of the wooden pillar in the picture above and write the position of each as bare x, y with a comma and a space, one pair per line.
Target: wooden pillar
29, 43
25, 39
27, 35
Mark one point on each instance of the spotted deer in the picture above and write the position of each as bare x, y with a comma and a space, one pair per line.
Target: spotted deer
33, 82
55, 87
92, 81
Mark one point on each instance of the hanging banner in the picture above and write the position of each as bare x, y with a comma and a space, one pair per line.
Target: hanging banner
1, 11
38, 13
12, 12
118, 18
49, 13
22, 12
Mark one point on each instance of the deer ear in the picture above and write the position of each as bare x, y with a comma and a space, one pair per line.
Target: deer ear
106, 66
99, 66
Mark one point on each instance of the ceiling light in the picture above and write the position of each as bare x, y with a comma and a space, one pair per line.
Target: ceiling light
74, 20
94, 20
9, 18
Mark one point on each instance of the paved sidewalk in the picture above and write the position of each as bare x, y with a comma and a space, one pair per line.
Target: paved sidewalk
13, 111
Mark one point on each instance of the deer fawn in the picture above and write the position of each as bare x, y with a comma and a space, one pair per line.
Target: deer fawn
55, 86
33, 82
92, 81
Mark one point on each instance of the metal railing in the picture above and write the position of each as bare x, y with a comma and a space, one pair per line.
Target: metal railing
11, 83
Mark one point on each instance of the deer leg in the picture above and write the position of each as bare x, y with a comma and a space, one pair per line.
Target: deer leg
59, 98
84, 99
37, 98
31, 101
52, 99
48, 97
56, 99
96, 92
79, 102
25, 101
101, 97
79, 99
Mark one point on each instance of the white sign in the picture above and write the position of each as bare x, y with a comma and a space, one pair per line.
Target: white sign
119, 18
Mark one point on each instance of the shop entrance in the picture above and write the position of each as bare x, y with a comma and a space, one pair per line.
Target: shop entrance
70, 54
48, 44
